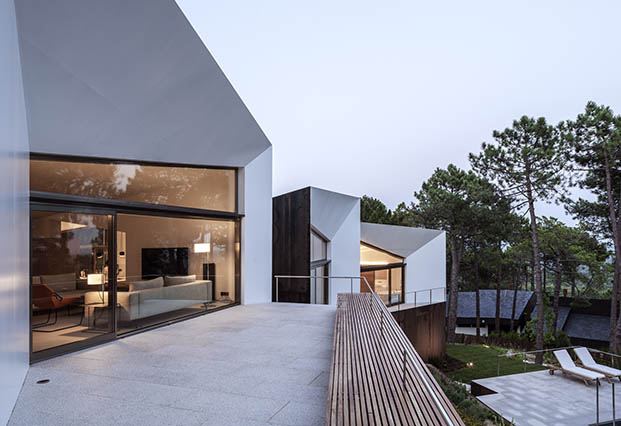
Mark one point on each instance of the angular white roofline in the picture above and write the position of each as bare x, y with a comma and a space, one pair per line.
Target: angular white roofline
129, 80
329, 210
399, 240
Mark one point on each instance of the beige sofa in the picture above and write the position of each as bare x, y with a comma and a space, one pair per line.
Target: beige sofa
140, 302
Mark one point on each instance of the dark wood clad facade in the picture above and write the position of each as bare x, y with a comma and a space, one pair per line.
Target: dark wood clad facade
424, 327
291, 245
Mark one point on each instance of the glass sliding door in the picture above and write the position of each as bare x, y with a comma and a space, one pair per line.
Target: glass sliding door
319, 285
71, 275
384, 273
174, 267
121, 245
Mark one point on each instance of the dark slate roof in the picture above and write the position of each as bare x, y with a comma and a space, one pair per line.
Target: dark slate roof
563, 314
591, 327
466, 303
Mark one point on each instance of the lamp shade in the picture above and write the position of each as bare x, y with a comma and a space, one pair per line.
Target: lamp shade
95, 279
202, 248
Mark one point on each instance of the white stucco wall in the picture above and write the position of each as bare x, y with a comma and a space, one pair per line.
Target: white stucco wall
426, 269
256, 251
14, 228
344, 253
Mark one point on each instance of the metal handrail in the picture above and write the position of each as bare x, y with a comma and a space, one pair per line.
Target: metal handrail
346, 277
394, 329
415, 292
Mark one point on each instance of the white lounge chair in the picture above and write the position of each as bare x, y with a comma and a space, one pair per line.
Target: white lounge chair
569, 367
589, 363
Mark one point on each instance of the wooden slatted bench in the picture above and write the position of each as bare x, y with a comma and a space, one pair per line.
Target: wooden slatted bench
377, 378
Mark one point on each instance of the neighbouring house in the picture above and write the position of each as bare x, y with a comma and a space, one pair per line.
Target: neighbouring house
316, 234
136, 186
466, 310
586, 322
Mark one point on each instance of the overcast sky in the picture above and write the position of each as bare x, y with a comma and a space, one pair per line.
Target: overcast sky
369, 97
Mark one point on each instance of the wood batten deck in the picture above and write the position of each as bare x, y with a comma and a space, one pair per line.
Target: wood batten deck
377, 378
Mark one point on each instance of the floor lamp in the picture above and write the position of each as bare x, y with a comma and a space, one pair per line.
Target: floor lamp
96, 279
206, 249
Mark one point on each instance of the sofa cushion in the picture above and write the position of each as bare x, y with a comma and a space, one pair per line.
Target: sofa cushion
178, 279
60, 282
147, 284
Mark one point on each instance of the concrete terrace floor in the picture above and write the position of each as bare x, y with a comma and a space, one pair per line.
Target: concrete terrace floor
248, 365
539, 399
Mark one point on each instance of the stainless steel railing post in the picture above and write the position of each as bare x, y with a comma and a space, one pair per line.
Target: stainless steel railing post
614, 415
597, 403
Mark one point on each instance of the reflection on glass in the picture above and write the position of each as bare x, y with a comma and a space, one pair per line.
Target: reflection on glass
319, 286
319, 249
70, 259
387, 283
210, 189
396, 284
174, 268
381, 284
370, 256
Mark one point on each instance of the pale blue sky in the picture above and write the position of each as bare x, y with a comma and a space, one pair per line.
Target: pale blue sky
369, 97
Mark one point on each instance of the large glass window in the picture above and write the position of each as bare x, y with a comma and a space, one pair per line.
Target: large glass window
384, 273
200, 188
70, 277
319, 248
174, 267
386, 282
104, 269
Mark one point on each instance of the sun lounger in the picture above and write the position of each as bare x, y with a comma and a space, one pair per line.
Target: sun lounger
589, 363
569, 367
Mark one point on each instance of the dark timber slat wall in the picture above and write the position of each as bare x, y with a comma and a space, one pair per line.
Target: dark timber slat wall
367, 384
291, 245
424, 327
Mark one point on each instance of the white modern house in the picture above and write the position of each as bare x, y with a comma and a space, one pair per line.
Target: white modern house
404, 265
316, 233
136, 186
136, 192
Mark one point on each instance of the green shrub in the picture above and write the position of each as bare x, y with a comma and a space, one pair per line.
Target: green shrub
562, 339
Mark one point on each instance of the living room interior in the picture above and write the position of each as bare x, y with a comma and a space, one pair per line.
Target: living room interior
152, 267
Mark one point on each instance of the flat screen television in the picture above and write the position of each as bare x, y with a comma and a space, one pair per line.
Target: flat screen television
157, 262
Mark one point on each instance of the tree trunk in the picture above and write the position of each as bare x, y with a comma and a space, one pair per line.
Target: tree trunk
497, 317
573, 286
516, 285
532, 277
477, 295
545, 277
537, 271
455, 248
615, 323
557, 293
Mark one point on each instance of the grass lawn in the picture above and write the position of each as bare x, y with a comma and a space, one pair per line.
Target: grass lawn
485, 362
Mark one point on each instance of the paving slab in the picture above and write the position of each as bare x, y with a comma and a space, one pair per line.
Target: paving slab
538, 398
252, 365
